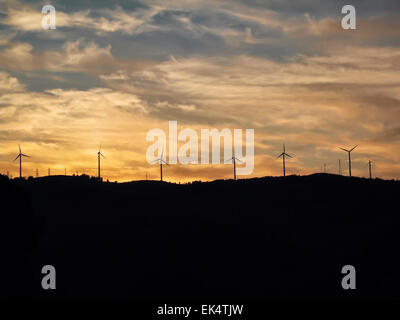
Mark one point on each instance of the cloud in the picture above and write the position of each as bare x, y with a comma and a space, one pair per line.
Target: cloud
9, 83
79, 56
27, 18
320, 101
73, 56
389, 135
111, 73
59, 106
183, 107
19, 56
119, 75
5, 37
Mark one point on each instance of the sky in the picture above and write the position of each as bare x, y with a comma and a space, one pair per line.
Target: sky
113, 70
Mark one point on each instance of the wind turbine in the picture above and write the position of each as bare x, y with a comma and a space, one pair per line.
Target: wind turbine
20, 155
284, 155
234, 164
349, 152
370, 168
99, 154
161, 160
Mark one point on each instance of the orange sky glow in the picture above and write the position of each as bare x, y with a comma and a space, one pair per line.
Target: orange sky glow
294, 77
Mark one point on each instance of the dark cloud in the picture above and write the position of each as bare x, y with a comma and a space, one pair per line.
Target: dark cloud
38, 136
323, 8
389, 135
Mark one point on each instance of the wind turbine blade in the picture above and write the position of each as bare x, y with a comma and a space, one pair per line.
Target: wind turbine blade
17, 157
344, 149
103, 155
353, 148
239, 160
156, 160
281, 155
288, 155
19, 147
229, 159
25, 155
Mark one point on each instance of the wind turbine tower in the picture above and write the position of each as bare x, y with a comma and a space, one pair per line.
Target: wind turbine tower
20, 155
349, 152
99, 154
161, 160
370, 168
234, 164
284, 155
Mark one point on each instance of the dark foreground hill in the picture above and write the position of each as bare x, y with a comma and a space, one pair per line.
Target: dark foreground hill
249, 239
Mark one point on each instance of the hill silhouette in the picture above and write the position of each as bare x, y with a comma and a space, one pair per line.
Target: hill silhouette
259, 238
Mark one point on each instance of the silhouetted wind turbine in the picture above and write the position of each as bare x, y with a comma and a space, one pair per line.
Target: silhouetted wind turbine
349, 152
234, 164
20, 155
161, 160
99, 154
370, 168
284, 155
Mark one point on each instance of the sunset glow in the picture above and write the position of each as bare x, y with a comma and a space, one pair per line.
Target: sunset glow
110, 73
